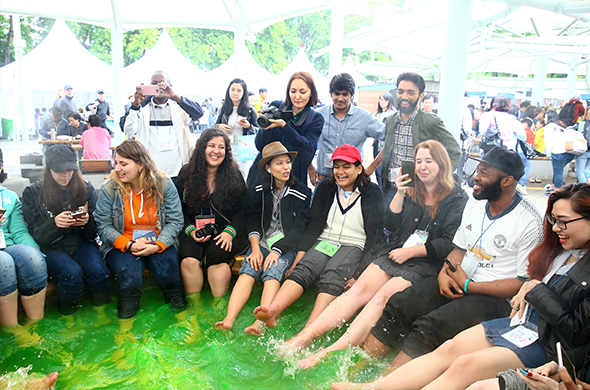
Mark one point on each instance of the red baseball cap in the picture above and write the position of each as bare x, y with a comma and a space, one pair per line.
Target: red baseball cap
347, 153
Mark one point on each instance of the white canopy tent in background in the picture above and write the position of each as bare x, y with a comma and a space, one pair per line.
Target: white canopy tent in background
301, 64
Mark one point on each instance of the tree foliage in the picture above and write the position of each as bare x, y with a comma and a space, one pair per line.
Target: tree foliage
33, 30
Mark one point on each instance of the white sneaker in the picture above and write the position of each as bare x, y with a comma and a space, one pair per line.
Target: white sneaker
522, 189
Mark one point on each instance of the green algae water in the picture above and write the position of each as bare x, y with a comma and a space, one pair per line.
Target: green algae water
164, 349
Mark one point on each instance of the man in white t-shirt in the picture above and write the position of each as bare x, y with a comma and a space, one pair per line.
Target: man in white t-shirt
498, 230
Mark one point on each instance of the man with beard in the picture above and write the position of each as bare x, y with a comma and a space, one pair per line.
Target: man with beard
407, 128
499, 228
160, 123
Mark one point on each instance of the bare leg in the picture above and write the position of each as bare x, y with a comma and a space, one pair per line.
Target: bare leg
361, 326
271, 288
289, 292
321, 303
343, 308
9, 309
488, 384
401, 359
239, 297
423, 370
192, 274
45, 383
219, 276
34, 305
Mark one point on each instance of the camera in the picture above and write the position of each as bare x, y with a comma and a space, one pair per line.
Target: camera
210, 229
273, 113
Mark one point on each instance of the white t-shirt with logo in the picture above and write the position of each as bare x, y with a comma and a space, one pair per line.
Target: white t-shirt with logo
502, 252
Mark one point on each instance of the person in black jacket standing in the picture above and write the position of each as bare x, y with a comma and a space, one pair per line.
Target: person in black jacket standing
67, 238
276, 219
345, 222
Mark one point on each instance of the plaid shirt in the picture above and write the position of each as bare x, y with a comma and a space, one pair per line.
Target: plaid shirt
403, 148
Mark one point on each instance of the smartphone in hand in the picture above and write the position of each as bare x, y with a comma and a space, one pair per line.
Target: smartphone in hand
148, 90
564, 361
408, 168
452, 266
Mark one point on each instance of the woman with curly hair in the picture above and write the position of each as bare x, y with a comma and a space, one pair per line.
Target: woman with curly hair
214, 202
139, 218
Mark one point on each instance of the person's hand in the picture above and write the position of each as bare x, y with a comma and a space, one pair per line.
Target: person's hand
401, 182
401, 255
224, 127
349, 283
273, 257
275, 123
518, 302
255, 259
313, 175
138, 97
64, 220
167, 91
298, 257
244, 123
144, 248
447, 286
224, 240
199, 240
539, 380
81, 221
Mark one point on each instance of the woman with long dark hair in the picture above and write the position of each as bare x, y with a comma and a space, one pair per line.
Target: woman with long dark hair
552, 306
67, 234
214, 201
277, 213
236, 115
345, 222
423, 220
138, 216
385, 108
299, 130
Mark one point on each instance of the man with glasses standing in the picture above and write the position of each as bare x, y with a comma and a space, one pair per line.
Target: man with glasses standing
498, 229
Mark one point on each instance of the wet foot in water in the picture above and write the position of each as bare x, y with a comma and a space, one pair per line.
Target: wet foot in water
226, 324
266, 315
255, 329
311, 361
45, 383
298, 342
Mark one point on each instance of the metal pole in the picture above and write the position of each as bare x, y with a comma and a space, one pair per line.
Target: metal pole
336, 38
117, 65
454, 65
19, 45
572, 77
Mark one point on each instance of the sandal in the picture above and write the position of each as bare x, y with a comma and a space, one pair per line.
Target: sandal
538, 180
533, 180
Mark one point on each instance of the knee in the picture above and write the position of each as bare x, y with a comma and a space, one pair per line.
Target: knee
465, 363
72, 277
190, 264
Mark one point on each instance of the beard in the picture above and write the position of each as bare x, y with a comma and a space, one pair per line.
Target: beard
490, 192
407, 110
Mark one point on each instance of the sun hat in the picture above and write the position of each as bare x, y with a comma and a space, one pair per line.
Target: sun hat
272, 150
506, 160
61, 158
347, 153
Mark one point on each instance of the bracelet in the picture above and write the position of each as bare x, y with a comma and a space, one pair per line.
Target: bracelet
189, 229
230, 230
465, 285
129, 244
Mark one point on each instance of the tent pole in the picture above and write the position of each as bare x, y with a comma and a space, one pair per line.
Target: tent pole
19, 45
572, 77
117, 64
538, 96
454, 65
336, 38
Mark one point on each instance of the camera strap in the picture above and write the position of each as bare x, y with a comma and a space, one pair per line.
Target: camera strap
218, 212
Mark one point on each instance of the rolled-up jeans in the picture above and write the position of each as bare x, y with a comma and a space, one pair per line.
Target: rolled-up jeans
22, 267
128, 270
275, 272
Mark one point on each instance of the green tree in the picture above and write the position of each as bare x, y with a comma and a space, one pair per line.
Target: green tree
33, 30
206, 49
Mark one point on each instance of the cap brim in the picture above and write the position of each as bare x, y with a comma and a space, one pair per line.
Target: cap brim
65, 166
349, 159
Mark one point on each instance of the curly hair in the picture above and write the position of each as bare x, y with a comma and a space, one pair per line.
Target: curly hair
195, 174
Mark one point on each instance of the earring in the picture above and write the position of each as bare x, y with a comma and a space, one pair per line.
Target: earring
139, 170
268, 170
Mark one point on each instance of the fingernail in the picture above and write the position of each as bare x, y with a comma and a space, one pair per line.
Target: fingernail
544, 374
530, 373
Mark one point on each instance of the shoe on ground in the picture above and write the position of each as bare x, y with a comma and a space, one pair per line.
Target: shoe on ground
533, 180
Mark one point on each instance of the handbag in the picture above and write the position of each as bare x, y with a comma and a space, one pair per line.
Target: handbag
575, 143
491, 138
527, 149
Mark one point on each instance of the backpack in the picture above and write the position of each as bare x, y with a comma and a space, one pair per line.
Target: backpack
567, 114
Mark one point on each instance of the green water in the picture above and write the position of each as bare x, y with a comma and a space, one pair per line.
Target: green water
172, 350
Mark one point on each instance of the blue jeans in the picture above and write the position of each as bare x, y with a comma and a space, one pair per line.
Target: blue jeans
527, 166
128, 270
559, 161
71, 271
275, 272
22, 267
583, 167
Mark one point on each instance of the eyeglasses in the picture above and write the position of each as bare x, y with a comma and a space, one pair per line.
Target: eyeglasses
561, 224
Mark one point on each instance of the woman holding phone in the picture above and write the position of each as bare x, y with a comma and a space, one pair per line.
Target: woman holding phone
551, 306
236, 116
138, 216
67, 236
422, 219
276, 219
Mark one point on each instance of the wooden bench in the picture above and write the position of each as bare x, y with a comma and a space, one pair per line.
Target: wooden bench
95, 165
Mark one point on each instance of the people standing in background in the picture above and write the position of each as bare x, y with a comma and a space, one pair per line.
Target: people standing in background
204, 120
39, 117
236, 117
67, 102
213, 109
101, 108
58, 95
428, 103
251, 98
583, 160
385, 107
555, 147
260, 102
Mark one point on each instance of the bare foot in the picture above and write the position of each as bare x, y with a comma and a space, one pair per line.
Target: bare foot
255, 329
224, 325
266, 315
311, 361
298, 342
348, 385
49, 380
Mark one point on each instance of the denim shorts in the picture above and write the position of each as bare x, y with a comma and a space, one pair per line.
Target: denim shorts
22, 267
275, 272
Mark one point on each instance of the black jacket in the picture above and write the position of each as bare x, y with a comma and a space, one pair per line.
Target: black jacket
252, 118
294, 209
371, 207
564, 309
48, 124
42, 225
440, 232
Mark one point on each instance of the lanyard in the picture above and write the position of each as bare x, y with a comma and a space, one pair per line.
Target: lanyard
490, 225
343, 131
210, 210
334, 215
279, 198
156, 120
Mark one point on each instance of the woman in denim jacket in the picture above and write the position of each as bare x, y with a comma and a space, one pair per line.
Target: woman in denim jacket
139, 217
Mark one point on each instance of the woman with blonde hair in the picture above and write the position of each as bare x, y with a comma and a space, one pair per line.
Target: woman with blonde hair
139, 218
423, 220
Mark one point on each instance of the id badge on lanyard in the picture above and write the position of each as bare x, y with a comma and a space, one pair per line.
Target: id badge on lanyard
145, 233
164, 141
202, 220
327, 248
470, 263
393, 174
419, 237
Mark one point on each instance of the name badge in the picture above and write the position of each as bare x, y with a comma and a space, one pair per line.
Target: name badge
202, 220
270, 241
327, 248
419, 237
164, 142
2, 240
470, 263
521, 336
393, 174
145, 235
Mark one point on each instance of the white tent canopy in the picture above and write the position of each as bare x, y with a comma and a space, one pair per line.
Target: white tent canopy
301, 64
